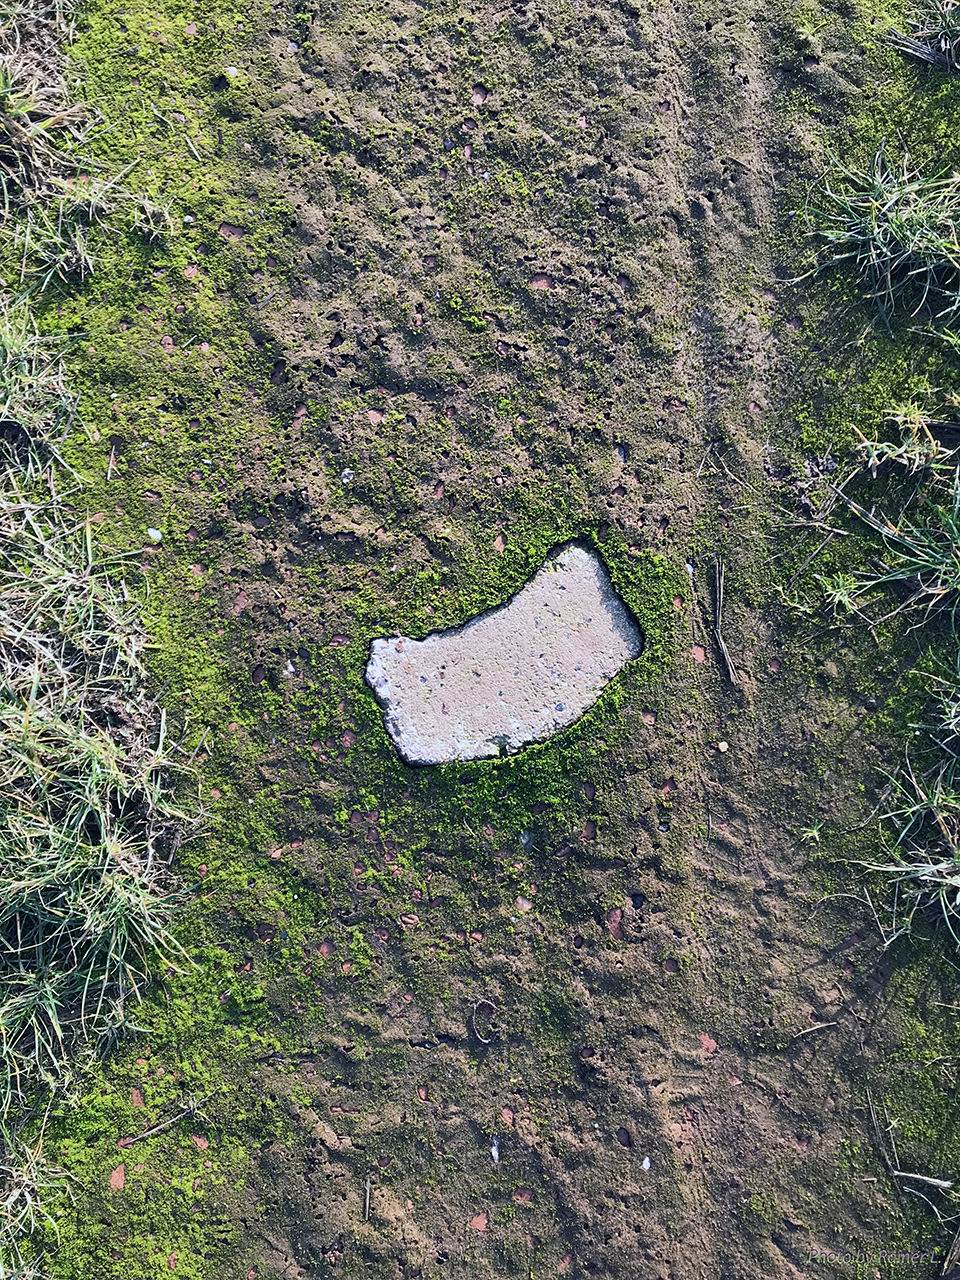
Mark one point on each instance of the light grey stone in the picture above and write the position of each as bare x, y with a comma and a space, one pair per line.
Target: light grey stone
509, 677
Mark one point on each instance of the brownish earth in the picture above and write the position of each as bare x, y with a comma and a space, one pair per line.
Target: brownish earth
601, 188
537, 287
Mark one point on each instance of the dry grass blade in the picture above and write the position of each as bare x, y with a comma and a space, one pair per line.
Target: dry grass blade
934, 35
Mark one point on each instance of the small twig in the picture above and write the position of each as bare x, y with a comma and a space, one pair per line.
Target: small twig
732, 675
820, 1026
942, 1184
190, 1110
366, 1201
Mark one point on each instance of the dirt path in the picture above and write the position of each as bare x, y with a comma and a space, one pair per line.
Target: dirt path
540, 259
583, 1012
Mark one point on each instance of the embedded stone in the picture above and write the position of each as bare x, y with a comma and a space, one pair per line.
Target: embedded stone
509, 677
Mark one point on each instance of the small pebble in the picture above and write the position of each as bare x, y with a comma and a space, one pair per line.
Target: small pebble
723, 747
154, 535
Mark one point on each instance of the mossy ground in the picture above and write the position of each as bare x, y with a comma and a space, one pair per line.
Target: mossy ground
869, 370
617, 894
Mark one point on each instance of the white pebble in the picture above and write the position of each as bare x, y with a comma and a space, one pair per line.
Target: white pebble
154, 535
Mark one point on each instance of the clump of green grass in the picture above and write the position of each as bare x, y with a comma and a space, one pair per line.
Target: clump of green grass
36, 410
25, 1179
922, 550
897, 229
54, 209
934, 35
919, 554
55, 240
916, 448
919, 561
39, 125
921, 872
88, 827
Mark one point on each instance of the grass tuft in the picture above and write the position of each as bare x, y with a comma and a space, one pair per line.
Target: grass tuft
897, 229
26, 1178
922, 549
88, 826
921, 873
39, 126
53, 210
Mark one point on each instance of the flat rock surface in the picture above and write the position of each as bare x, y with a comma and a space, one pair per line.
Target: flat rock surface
512, 676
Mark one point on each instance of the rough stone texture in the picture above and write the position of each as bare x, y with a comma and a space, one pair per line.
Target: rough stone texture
512, 676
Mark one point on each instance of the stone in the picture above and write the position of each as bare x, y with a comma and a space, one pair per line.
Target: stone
514, 675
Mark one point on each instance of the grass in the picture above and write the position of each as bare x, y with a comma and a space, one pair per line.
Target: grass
54, 209
934, 35
39, 125
918, 562
84, 762
896, 229
88, 826
922, 549
26, 1178
921, 872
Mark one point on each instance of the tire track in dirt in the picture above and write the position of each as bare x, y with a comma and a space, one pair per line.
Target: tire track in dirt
759, 897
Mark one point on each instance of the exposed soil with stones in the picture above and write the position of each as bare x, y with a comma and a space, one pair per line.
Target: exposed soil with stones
537, 251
